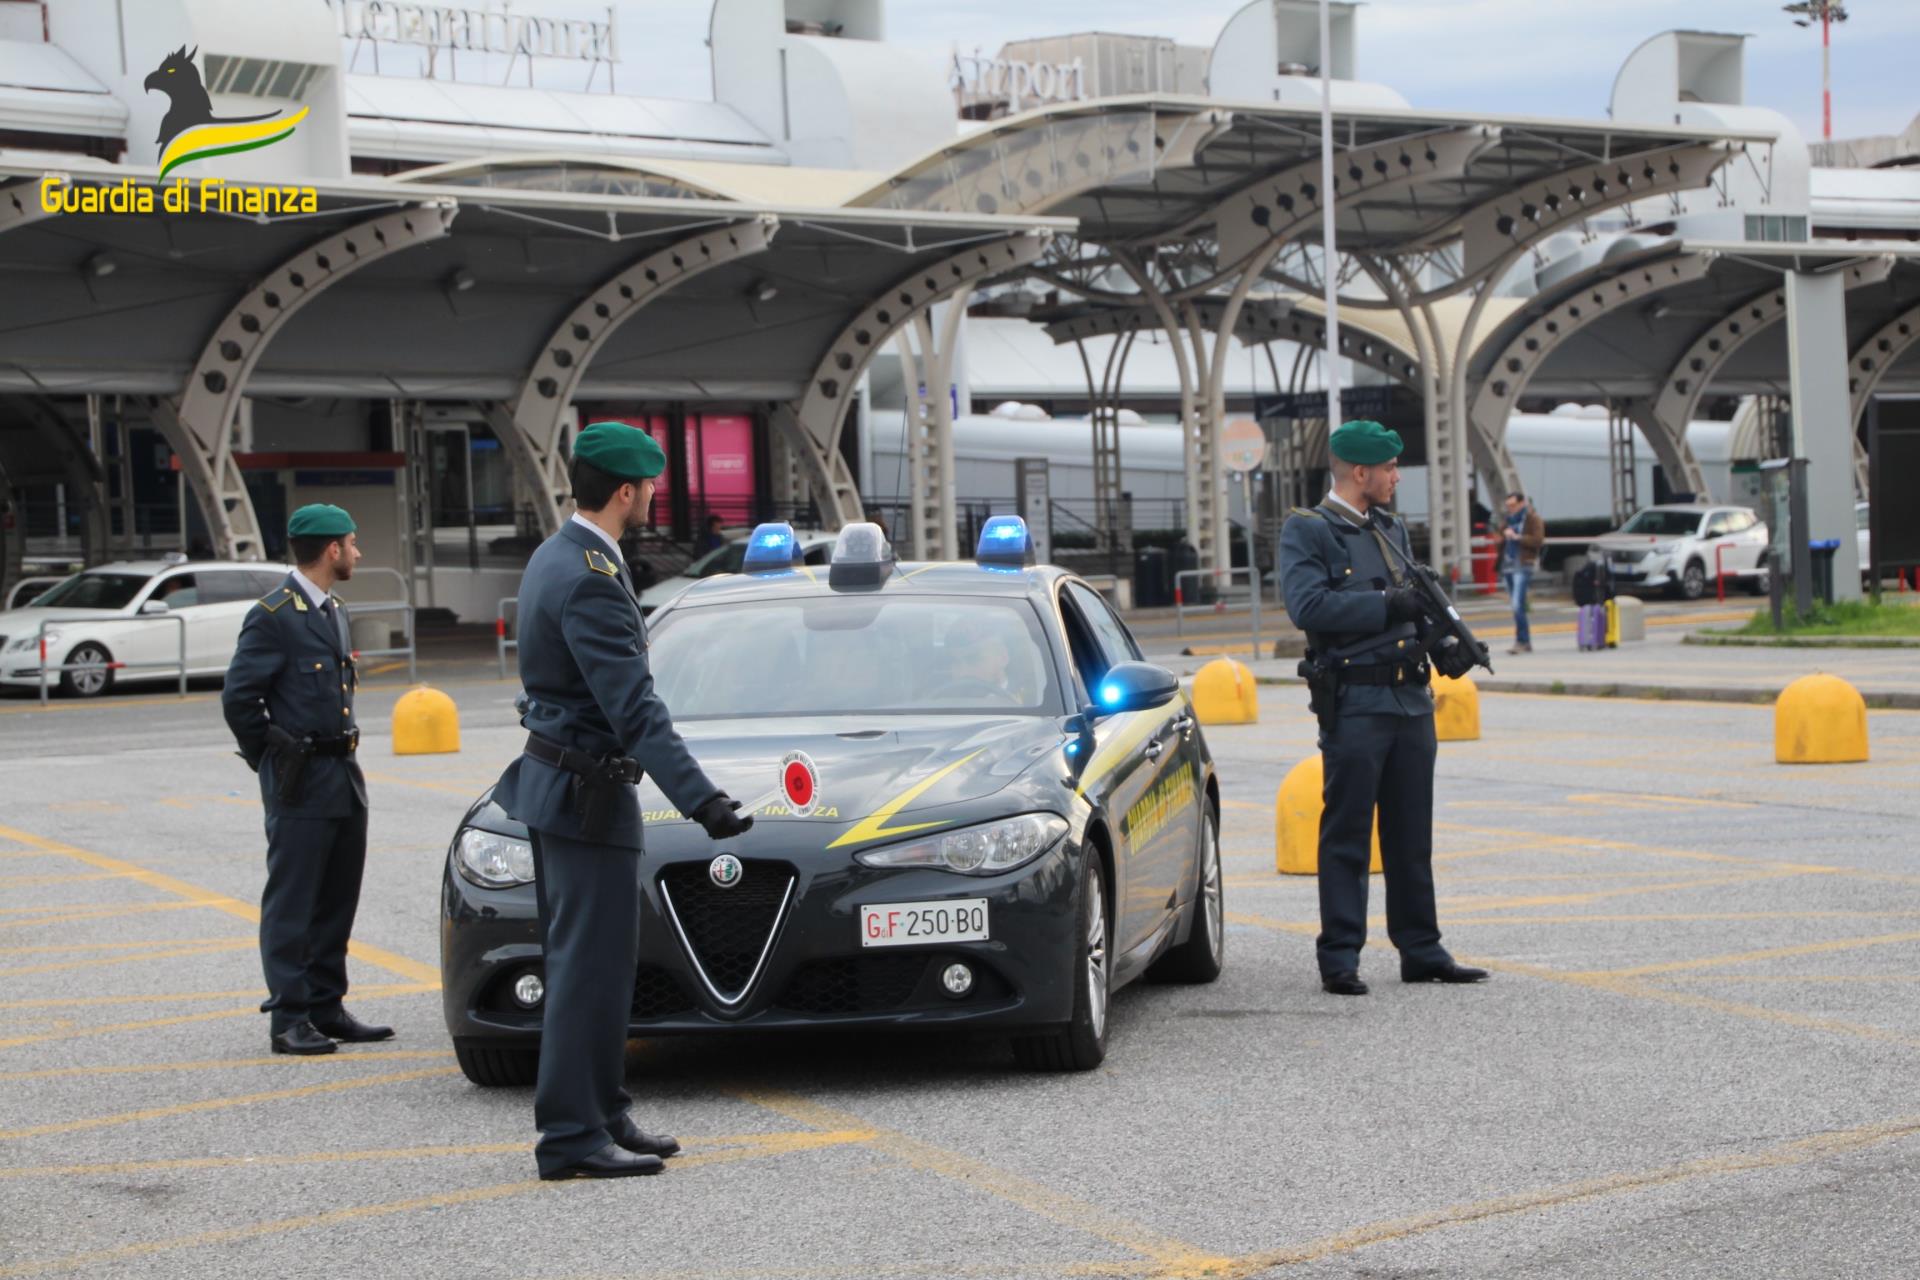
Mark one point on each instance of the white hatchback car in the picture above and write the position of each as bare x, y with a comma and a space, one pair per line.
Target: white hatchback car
1680, 546
116, 623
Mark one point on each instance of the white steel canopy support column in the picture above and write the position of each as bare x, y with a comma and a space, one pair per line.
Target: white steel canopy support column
198, 424
531, 425
1189, 391
811, 426
1822, 425
932, 509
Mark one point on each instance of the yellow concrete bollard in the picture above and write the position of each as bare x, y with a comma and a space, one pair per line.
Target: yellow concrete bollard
425, 722
1456, 709
1296, 821
1224, 692
1819, 719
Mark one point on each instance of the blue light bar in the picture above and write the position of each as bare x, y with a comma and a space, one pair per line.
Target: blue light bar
1004, 543
769, 548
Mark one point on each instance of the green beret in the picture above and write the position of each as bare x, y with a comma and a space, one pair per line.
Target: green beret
1365, 443
320, 520
624, 452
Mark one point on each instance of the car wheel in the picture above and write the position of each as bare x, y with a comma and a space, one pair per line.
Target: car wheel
1693, 581
1201, 957
493, 1066
95, 676
1080, 1045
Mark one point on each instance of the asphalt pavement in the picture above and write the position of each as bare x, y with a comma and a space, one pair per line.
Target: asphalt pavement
1698, 1055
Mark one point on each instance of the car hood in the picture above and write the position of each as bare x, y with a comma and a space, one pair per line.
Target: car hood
665, 589
875, 773
25, 622
1637, 541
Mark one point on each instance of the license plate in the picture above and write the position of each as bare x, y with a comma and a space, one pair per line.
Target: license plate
902, 924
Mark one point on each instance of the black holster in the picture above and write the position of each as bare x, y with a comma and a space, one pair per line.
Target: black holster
596, 785
290, 756
1323, 689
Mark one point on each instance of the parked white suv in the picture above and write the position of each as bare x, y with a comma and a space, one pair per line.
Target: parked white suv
116, 623
1679, 547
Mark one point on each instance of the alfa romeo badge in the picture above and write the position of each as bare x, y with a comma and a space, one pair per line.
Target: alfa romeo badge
725, 871
799, 783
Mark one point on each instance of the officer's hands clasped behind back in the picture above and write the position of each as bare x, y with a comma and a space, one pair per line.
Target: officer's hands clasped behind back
719, 818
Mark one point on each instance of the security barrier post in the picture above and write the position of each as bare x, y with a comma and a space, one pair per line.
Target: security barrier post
404, 607
501, 642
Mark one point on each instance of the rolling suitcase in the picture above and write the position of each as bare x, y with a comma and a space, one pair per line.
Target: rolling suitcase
1592, 627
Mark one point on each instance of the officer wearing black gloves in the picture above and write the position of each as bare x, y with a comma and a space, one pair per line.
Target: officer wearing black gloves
1369, 673
594, 727
289, 701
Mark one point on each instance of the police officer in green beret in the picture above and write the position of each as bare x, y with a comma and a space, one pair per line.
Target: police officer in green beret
1368, 669
594, 727
289, 701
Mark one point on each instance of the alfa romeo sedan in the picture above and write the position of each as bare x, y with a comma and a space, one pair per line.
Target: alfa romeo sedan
975, 808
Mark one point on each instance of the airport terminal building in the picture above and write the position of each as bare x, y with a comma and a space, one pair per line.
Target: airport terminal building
259, 254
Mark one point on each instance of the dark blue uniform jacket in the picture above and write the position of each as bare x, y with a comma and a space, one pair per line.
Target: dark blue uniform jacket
293, 667
1335, 576
583, 663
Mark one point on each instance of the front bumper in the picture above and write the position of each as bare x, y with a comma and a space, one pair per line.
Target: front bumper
815, 972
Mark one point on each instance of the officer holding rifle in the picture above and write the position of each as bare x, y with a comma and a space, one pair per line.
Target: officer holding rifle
289, 701
1377, 626
594, 725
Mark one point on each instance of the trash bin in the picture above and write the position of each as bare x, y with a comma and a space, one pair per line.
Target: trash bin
1823, 550
1185, 557
1152, 578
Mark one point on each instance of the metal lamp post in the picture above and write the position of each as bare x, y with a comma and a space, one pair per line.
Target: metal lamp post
1827, 12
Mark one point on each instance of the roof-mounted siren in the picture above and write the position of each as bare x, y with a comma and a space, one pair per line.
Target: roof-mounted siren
1004, 544
769, 549
862, 557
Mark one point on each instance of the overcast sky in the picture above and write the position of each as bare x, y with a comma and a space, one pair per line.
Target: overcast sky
1536, 57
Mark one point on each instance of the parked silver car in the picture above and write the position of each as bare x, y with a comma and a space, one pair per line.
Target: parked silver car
1679, 547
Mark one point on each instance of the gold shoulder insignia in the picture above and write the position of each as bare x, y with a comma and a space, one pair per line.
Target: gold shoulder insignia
274, 600
600, 562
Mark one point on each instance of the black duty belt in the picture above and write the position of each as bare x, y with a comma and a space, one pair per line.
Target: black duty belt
583, 764
335, 744
1387, 673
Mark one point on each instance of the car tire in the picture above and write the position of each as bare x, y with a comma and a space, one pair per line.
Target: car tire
1080, 1045
91, 683
1204, 954
493, 1066
1693, 580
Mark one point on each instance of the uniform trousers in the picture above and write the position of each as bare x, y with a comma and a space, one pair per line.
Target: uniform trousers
314, 867
589, 897
1383, 760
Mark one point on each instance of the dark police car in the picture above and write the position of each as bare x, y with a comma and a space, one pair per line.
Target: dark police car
975, 807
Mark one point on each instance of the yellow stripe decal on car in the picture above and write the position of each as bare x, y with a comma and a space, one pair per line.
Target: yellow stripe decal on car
874, 825
1145, 725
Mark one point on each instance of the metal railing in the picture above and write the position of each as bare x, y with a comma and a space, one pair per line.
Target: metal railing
1216, 577
46, 668
404, 607
500, 640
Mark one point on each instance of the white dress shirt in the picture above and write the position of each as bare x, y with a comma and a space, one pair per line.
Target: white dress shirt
600, 533
315, 596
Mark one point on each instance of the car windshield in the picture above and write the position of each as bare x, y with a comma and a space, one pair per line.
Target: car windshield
1663, 524
94, 591
847, 655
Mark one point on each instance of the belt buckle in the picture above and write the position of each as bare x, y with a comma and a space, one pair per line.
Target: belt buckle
1399, 673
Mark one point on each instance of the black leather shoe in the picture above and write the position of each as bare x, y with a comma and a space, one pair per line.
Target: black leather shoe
303, 1039
610, 1161
351, 1029
1343, 984
1446, 972
642, 1143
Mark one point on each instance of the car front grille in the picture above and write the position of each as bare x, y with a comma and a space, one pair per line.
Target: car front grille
853, 984
727, 931
658, 994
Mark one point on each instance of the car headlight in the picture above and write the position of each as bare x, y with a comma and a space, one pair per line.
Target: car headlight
25, 643
493, 861
985, 850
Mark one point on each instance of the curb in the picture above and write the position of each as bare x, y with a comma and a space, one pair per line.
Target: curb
1729, 640
1890, 701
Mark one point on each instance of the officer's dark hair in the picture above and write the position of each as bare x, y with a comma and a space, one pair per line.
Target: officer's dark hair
311, 548
593, 488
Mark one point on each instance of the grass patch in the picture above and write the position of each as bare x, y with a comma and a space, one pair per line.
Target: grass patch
1848, 618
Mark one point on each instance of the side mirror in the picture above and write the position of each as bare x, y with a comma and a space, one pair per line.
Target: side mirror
1135, 686
155, 606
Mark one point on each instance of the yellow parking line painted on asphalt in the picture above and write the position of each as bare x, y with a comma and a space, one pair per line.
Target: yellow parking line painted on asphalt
1591, 845
130, 957
355, 1057
385, 667
1470, 904
467, 789
1614, 799
76, 1033
761, 1147
1769, 953
70, 877
174, 997
379, 956
1171, 1256
1248, 804
1802, 1151
194, 802
64, 948
222, 1104
108, 913
1693, 917
1279, 926
1799, 977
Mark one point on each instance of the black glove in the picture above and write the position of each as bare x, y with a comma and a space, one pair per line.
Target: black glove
1405, 605
718, 817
